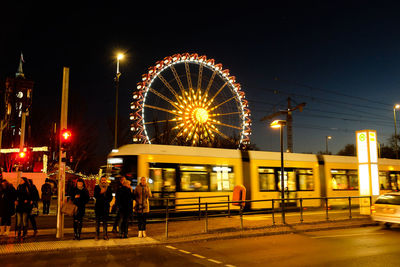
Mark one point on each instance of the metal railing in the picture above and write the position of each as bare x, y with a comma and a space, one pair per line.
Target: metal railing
241, 204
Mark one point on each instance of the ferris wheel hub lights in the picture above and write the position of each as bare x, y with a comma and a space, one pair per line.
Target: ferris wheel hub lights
201, 115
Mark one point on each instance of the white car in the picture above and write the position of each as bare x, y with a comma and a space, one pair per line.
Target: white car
387, 209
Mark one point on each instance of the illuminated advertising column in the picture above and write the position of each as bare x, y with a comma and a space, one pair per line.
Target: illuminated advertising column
368, 176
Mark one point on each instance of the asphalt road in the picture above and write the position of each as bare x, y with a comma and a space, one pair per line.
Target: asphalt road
369, 246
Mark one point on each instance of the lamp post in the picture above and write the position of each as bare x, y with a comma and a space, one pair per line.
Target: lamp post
397, 106
119, 57
280, 124
326, 143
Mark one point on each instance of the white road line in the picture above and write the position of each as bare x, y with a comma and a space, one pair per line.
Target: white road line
184, 251
171, 247
333, 236
199, 256
215, 261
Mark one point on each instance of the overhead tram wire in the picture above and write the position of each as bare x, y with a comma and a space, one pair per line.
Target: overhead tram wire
383, 123
335, 93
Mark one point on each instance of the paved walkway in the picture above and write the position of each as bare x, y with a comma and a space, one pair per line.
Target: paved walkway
185, 231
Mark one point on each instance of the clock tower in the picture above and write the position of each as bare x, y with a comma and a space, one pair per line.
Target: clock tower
17, 100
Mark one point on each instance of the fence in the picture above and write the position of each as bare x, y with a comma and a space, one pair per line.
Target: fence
204, 207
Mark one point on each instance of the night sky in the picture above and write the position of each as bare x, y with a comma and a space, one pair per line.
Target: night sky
343, 61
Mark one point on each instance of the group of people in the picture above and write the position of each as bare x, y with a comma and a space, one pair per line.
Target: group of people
125, 197
23, 202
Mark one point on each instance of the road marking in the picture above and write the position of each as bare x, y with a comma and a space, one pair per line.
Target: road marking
333, 236
229, 265
171, 247
199, 256
215, 261
184, 251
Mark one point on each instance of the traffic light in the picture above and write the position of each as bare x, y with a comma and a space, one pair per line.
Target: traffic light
23, 155
66, 138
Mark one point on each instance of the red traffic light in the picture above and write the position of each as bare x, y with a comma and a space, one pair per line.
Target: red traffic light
22, 154
66, 137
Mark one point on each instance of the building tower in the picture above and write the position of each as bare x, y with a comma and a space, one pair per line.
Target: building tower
17, 100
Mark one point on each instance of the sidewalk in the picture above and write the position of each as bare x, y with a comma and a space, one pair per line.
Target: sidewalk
187, 231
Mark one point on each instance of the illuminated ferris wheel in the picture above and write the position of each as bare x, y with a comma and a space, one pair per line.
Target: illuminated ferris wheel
187, 99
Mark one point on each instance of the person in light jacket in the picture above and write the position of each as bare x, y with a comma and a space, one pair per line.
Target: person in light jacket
142, 207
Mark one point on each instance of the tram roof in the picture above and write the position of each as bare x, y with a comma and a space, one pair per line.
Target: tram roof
268, 155
140, 149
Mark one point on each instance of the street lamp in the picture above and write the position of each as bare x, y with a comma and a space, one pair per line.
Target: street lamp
326, 142
117, 74
280, 124
397, 106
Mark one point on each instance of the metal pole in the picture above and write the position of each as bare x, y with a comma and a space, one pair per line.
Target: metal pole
116, 106
241, 216
350, 207
301, 210
229, 207
273, 212
282, 178
395, 134
21, 144
166, 219
206, 218
199, 208
326, 208
62, 155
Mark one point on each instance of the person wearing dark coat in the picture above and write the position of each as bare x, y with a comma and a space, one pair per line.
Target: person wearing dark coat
7, 206
46, 196
118, 217
35, 204
124, 201
23, 206
103, 196
80, 197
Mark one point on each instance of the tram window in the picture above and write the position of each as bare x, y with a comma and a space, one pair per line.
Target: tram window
344, 179
194, 178
267, 179
384, 181
306, 179
394, 180
163, 179
222, 178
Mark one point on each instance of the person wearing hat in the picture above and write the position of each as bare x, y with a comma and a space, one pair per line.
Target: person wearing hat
23, 207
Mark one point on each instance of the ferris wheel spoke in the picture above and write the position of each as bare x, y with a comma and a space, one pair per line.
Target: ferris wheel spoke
199, 77
162, 121
158, 108
215, 130
219, 91
164, 97
227, 125
169, 88
220, 104
189, 79
178, 80
224, 114
210, 83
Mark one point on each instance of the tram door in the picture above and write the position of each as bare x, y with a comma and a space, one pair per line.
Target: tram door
162, 182
289, 179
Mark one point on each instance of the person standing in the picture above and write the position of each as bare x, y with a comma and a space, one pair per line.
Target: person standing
35, 205
80, 197
142, 207
46, 196
7, 206
103, 196
117, 217
124, 201
23, 207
